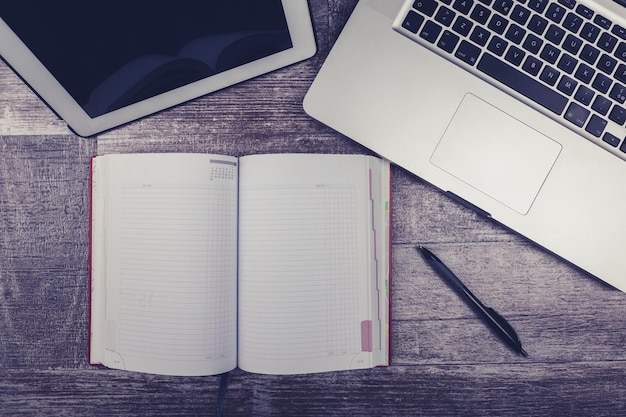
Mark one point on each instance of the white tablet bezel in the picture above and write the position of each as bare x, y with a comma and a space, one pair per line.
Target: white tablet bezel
26, 64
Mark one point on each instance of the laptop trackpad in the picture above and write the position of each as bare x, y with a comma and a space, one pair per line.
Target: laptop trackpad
496, 153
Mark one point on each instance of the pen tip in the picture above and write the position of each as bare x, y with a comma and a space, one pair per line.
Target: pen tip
425, 252
523, 352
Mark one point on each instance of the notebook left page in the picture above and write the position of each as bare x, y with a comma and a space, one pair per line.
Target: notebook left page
164, 267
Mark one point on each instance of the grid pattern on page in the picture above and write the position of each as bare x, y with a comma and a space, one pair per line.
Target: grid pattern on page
177, 246
298, 273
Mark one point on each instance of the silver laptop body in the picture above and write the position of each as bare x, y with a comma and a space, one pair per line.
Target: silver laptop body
499, 153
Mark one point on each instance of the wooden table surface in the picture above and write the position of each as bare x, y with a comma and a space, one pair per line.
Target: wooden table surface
445, 361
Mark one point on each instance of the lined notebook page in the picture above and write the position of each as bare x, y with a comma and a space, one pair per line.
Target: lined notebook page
172, 302
303, 263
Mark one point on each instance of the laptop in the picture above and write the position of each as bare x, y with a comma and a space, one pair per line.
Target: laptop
100, 65
468, 95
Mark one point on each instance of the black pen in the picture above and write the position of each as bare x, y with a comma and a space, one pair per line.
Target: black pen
495, 321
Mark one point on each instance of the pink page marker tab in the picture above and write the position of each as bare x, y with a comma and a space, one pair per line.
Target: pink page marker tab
366, 336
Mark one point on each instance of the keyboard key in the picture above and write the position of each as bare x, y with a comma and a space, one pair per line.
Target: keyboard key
589, 54
515, 34
607, 42
567, 63
538, 24
584, 73
606, 64
480, 36
618, 115
572, 22
523, 84
445, 16
498, 24
448, 41
503, 6
590, 32
515, 55
601, 105
413, 21
480, 14
520, 14
611, 139
532, 44
427, 7
572, 44
619, 31
555, 34
550, 53
468, 53
567, 85
549, 75
584, 11
596, 125
497, 45
584, 95
620, 74
555, 12
538, 5
431, 31
602, 83
568, 3
463, 6
532, 65
618, 93
462, 26
621, 51
602, 22
577, 114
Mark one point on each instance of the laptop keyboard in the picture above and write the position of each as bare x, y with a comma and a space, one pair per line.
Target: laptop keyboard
563, 57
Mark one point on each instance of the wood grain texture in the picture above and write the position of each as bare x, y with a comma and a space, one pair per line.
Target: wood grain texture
445, 361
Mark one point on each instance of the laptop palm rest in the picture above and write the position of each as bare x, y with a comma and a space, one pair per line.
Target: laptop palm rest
496, 154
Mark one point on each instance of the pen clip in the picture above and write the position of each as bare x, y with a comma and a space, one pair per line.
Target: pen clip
504, 325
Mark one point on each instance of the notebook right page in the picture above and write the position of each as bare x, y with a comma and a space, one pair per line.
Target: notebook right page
307, 301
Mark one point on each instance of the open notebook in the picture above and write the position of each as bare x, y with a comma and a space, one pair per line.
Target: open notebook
274, 263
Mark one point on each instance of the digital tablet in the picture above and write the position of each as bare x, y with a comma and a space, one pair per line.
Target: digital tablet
102, 64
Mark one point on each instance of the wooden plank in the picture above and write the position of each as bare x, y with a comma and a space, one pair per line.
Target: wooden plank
44, 219
422, 214
548, 389
22, 112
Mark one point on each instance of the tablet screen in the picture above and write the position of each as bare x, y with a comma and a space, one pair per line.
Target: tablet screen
114, 53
